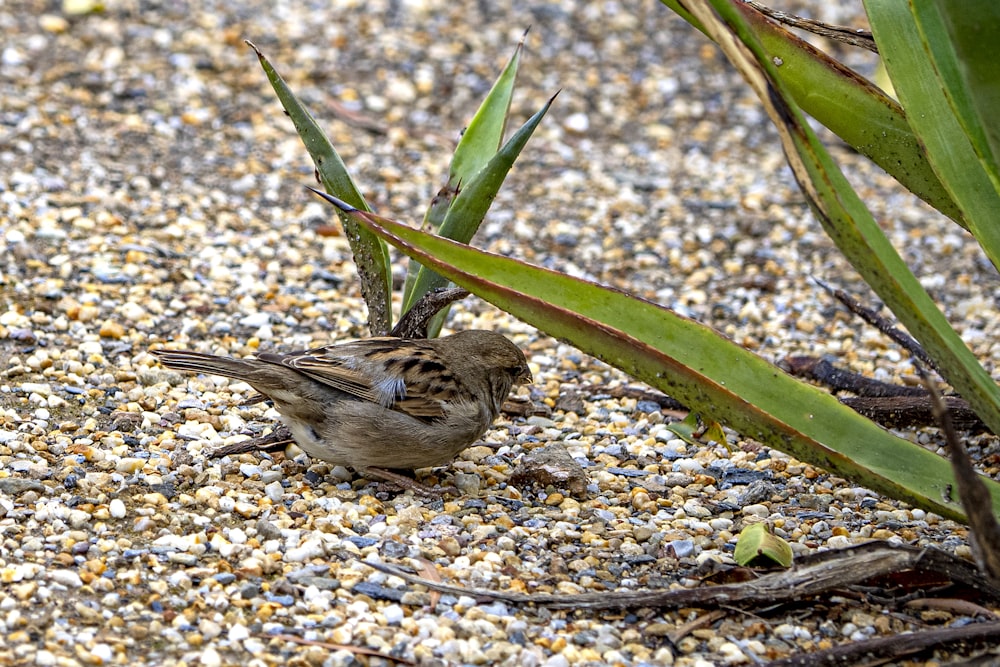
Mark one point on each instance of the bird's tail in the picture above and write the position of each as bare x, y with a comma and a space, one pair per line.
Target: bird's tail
196, 362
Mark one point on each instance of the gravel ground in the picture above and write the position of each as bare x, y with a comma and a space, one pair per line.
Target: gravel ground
151, 191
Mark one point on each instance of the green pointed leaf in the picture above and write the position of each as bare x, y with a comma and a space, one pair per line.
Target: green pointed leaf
484, 134
846, 103
844, 216
479, 143
686, 429
757, 545
695, 365
960, 39
932, 116
370, 253
470, 207
714, 433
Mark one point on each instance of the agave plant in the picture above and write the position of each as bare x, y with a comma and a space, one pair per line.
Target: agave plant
938, 141
478, 168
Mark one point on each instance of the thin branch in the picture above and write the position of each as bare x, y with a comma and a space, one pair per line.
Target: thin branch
903, 339
812, 575
882, 649
413, 323
972, 492
852, 36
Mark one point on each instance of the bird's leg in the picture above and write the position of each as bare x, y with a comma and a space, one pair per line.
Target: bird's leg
405, 482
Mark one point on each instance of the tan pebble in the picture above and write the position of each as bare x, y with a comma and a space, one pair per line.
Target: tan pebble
64, 559
53, 23
24, 591
247, 510
504, 522
450, 546
411, 515
154, 499
554, 499
341, 635
266, 611
642, 501
111, 329
129, 465
477, 454
883, 534
569, 588
96, 565
18, 637
570, 505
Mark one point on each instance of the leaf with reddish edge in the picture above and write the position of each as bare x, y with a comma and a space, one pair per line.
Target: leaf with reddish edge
692, 363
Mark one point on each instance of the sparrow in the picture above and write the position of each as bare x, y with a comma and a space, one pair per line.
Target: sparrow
380, 403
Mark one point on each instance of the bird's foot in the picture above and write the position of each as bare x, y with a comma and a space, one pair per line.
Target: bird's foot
405, 482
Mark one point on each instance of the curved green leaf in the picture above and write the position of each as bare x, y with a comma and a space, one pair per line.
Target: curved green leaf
484, 134
478, 144
757, 544
370, 253
961, 38
694, 364
844, 216
470, 207
846, 103
933, 118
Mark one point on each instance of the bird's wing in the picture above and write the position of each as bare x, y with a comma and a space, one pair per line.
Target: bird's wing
387, 371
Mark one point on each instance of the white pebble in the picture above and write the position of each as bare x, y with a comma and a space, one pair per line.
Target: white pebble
133, 311
90, 347
249, 470
102, 653
40, 388
838, 542
757, 510
78, 518
274, 491
117, 508
557, 661
577, 122
238, 633
393, 614
688, 465
305, 551
67, 578
256, 320
210, 658
732, 654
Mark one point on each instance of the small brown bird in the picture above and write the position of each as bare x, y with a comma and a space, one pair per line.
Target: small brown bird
380, 403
